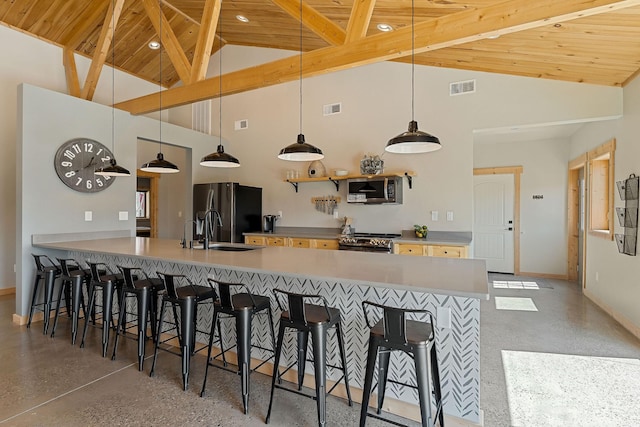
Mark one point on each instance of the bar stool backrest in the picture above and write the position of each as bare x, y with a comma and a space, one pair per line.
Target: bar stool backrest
66, 264
127, 274
225, 295
394, 321
297, 305
39, 261
170, 283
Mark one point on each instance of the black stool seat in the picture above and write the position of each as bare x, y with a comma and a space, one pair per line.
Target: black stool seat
145, 290
183, 294
47, 272
242, 306
394, 332
314, 319
73, 277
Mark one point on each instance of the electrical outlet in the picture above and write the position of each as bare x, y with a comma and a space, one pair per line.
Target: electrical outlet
336, 215
14, 268
434, 215
88, 215
280, 214
123, 216
449, 215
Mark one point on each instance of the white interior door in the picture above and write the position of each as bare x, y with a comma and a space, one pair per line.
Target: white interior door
493, 221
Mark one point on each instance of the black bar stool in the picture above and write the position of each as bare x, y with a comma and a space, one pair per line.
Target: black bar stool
110, 282
315, 319
186, 298
242, 306
47, 272
394, 332
145, 290
73, 276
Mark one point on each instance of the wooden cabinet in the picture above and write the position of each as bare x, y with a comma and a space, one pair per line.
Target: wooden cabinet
276, 241
255, 240
293, 242
422, 249
325, 244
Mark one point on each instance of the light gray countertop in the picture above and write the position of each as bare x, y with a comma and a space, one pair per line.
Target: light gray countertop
454, 238
446, 276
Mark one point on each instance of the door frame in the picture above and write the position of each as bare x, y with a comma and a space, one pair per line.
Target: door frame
516, 171
153, 199
573, 218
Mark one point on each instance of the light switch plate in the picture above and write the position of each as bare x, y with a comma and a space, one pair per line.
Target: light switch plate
434, 215
123, 216
88, 215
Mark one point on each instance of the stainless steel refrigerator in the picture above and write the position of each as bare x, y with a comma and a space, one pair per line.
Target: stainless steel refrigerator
239, 206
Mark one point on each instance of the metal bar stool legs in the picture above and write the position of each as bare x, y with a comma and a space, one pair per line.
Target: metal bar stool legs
48, 275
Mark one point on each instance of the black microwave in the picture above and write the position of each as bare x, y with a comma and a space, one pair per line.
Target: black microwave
375, 190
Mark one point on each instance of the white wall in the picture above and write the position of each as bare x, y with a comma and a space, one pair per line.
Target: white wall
376, 102
543, 239
617, 287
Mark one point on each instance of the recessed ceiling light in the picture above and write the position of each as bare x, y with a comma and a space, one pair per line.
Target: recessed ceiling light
384, 27
494, 36
242, 18
155, 45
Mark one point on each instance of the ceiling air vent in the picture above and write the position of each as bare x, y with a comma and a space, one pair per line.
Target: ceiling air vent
460, 88
331, 109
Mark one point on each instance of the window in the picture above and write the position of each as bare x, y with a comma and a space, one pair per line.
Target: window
601, 193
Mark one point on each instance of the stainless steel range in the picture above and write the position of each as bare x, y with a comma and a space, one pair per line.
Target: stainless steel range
368, 242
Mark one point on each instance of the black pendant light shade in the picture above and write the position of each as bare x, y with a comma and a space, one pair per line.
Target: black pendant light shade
413, 141
160, 165
113, 170
220, 159
300, 151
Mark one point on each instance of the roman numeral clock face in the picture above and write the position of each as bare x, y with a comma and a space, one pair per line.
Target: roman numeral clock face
76, 162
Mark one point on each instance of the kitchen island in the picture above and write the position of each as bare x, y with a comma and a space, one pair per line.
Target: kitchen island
450, 288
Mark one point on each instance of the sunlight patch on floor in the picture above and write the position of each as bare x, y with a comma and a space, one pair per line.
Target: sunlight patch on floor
513, 303
550, 390
514, 284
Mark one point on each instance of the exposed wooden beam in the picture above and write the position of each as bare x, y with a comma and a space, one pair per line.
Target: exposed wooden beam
322, 26
71, 72
102, 49
359, 20
179, 12
85, 24
206, 36
168, 39
451, 30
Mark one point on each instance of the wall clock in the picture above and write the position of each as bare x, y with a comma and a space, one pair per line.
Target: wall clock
76, 161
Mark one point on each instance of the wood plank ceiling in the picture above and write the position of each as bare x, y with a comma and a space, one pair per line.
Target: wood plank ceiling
595, 42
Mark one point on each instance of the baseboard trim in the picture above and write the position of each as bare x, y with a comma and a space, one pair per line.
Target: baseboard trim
624, 321
8, 291
545, 275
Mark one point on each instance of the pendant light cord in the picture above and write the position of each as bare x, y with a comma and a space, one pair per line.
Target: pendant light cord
113, 72
220, 71
300, 66
160, 83
412, 61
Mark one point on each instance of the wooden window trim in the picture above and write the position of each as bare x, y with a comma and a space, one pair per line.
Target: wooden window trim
605, 151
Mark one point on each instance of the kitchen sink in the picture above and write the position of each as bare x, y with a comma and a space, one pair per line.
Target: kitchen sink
229, 247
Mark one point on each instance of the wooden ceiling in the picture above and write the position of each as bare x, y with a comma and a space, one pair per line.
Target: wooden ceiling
595, 42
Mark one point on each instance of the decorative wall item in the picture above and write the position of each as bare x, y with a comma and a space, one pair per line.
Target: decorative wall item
371, 165
628, 215
326, 204
317, 169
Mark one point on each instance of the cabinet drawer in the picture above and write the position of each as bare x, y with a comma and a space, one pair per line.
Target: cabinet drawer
276, 241
448, 251
408, 249
299, 243
254, 240
326, 244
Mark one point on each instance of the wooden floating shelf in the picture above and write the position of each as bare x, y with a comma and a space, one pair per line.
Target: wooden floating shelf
336, 179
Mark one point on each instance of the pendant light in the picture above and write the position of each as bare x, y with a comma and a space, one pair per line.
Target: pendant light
300, 151
113, 169
159, 164
220, 159
413, 141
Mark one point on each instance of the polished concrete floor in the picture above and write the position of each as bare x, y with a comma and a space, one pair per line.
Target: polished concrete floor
549, 357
